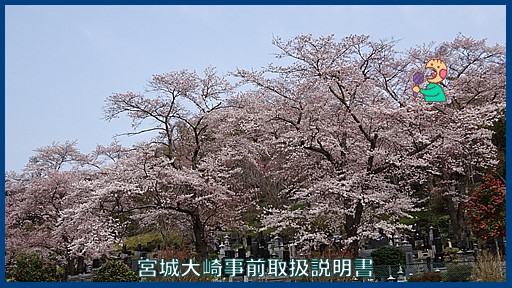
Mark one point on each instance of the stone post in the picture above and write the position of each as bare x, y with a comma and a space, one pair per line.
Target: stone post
409, 261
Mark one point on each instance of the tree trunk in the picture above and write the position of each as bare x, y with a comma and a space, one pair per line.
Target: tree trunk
497, 248
351, 225
81, 268
165, 238
70, 267
456, 213
199, 237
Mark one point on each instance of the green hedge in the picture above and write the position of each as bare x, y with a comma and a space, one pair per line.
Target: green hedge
459, 273
115, 271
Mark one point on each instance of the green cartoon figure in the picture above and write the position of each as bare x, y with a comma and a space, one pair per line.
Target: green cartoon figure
434, 92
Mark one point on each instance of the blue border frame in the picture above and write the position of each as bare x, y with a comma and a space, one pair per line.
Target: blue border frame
252, 2
2, 199
249, 2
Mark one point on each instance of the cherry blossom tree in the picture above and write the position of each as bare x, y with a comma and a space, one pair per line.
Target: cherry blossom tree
476, 100
351, 138
184, 171
331, 142
46, 211
322, 119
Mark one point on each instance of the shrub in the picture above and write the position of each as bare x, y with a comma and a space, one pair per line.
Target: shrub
427, 277
451, 254
486, 209
487, 268
388, 255
115, 271
458, 273
32, 267
385, 257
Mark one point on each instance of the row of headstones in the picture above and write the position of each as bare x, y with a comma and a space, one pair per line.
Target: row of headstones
259, 247
428, 250
83, 273
263, 247
255, 253
420, 244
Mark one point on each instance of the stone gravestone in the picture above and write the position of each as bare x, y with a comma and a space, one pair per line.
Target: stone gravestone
261, 253
230, 254
241, 253
255, 249
249, 240
409, 261
266, 254
134, 265
286, 256
96, 263
81, 267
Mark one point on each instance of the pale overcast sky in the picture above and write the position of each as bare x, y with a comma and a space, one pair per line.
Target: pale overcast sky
63, 61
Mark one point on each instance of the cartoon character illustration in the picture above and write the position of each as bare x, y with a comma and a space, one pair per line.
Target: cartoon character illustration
433, 92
